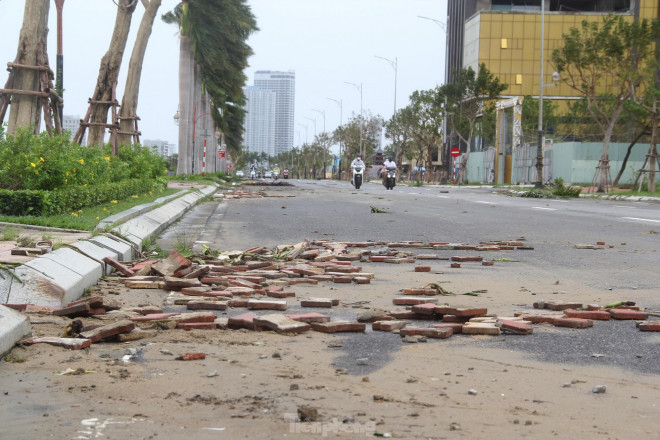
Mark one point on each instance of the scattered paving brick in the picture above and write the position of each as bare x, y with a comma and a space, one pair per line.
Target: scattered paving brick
466, 259
422, 268
599, 315
461, 311
281, 323
316, 302
456, 327
412, 300
374, 315
194, 317
429, 332
342, 279
196, 326
238, 302
338, 326
427, 292
362, 280
119, 267
487, 263
424, 309
388, 326
207, 305
256, 304
280, 294
455, 265
628, 314
173, 263
172, 283
309, 317
649, 326
153, 317
516, 327
455, 319
76, 311
557, 305
245, 320
480, 328
572, 322
108, 331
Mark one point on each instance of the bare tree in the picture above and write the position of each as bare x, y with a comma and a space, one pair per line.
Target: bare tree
129, 102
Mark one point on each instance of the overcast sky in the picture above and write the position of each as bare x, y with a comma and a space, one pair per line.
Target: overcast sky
326, 43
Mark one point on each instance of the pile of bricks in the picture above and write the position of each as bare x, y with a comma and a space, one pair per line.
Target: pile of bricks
261, 279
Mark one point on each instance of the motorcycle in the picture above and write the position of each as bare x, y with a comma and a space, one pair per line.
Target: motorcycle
357, 177
276, 174
253, 174
285, 174
390, 179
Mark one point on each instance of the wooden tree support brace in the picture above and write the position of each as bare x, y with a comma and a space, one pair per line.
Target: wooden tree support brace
99, 124
25, 92
130, 133
137, 118
24, 66
104, 102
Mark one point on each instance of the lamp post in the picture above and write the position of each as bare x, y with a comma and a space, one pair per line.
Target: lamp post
314, 121
443, 26
323, 113
305, 127
59, 5
340, 104
395, 66
539, 148
359, 88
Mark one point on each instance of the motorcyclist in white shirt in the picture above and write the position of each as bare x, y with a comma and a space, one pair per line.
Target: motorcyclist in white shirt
389, 164
357, 163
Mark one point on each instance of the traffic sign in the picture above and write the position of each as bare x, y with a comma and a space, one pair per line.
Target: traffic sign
221, 154
455, 152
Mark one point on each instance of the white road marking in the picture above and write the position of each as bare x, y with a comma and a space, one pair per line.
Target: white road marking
444, 197
641, 219
541, 207
484, 202
627, 207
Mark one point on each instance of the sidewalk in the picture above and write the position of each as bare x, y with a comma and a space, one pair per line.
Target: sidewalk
62, 276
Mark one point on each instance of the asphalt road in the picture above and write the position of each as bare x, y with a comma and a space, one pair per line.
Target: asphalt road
335, 210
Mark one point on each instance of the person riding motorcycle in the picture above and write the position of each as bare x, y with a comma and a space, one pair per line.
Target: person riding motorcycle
276, 172
389, 164
357, 163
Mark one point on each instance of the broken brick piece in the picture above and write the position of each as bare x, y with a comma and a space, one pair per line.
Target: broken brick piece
461, 311
118, 266
107, 331
194, 317
412, 300
481, 328
206, 305
94, 302
73, 311
426, 292
173, 263
422, 268
153, 317
424, 309
191, 357
456, 327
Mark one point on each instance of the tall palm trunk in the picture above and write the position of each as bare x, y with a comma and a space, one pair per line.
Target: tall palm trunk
129, 102
109, 71
25, 109
186, 73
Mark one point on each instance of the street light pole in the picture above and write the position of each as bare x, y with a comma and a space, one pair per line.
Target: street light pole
361, 121
340, 104
539, 148
323, 113
305, 127
59, 5
314, 121
395, 66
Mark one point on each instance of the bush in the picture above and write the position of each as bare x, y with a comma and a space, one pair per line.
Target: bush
41, 162
561, 190
72, 198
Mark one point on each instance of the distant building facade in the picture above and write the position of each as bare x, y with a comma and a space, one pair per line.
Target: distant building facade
71, 124
162, 148
283, 84
260, 117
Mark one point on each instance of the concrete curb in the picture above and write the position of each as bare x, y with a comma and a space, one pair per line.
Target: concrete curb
13, 326
60, 277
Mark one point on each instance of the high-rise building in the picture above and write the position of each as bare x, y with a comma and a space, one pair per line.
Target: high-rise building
260, 115
71, 124
284, 86
162, 148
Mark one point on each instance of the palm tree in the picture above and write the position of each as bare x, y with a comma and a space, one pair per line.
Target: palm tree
213, 55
